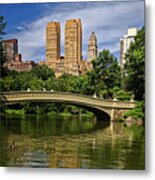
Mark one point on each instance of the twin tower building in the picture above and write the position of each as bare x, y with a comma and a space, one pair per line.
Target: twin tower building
72, 62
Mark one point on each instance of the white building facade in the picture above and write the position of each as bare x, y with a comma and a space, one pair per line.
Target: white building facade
125, 42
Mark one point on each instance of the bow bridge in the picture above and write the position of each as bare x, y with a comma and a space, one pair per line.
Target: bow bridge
102, 108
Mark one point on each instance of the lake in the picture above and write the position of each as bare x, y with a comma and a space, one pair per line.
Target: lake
69, 142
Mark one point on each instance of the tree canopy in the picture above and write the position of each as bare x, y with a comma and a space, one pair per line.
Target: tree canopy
101, 80
106, 74
2, 52
134, 70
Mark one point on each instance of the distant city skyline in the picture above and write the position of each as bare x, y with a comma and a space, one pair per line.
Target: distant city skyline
109, 21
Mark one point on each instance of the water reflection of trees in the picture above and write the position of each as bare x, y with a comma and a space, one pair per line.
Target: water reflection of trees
101, 146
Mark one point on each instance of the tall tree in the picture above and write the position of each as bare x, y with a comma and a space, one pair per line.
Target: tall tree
2, 26
106, 74
134, 72
43, 72
2, 53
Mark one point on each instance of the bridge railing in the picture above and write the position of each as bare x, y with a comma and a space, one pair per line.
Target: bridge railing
60, 96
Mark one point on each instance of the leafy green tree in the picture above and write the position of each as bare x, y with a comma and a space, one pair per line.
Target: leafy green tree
62, 83
49, 84
43, 72
2, 85
36, 84
137, 112
8, 83
84, 85
17, 83
134, 70
74, 84
3, 71
25, 79
2, 26
67, 83
105, 75
121, 94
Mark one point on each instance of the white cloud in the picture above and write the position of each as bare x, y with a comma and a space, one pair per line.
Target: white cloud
109, 20
20, 28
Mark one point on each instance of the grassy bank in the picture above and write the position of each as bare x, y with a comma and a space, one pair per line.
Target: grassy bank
67, 114
14, 112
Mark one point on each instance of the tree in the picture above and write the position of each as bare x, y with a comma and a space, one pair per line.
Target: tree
2, 26
121, 94
105, 75
43, 72
8, 83
134, 70
84, 85
2, 52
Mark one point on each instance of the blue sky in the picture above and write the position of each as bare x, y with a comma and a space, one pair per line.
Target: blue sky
108, 19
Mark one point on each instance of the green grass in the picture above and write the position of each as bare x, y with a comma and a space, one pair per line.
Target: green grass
14, 112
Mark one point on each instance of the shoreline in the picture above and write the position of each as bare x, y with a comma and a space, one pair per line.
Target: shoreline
67, 114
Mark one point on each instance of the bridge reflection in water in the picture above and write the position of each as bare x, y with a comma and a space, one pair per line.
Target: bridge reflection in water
110, 109
73, 142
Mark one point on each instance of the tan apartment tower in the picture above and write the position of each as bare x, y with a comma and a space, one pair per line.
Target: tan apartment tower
73, 46
92, 48
52, 43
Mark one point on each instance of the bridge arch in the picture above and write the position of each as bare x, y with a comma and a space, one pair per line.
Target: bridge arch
100, 107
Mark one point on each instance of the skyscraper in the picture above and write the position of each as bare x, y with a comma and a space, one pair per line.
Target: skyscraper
71, 62
11, 49
13, 59
125, 42
92, 48
52, 43
73, 46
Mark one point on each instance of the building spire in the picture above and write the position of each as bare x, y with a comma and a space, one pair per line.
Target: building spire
92, 47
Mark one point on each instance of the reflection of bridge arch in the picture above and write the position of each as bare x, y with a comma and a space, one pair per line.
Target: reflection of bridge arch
99, 106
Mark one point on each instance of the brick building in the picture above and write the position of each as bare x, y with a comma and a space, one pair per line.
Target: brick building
11, 50
13, 59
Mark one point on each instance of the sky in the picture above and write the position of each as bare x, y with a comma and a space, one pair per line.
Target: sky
108, 19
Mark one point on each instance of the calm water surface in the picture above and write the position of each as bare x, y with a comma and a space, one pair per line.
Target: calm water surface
69, 142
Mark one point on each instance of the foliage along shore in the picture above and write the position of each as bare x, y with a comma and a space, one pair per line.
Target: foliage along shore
64, 110
135, 115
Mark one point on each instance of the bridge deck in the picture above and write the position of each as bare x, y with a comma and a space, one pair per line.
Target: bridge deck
48, 96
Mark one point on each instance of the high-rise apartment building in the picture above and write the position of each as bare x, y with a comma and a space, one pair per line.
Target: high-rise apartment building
52, 43
72, 62
125, 42
73, 46
13, 59
11, 49
92, 48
